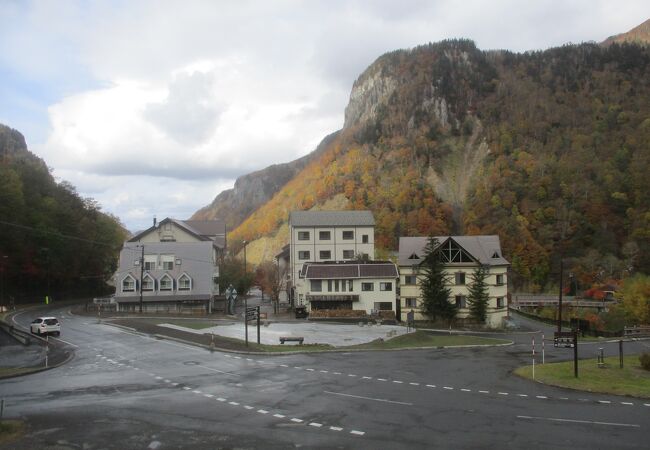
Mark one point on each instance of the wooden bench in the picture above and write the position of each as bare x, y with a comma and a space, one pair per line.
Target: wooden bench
284, 339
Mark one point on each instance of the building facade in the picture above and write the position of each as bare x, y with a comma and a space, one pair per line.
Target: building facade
351, 285
172, 266
461, 255
321, 236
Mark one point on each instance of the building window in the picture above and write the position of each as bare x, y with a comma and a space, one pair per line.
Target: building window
325, 254
348, 254
324, 235
317, 285
367, 287
350, 285
383, 306
460, 277
500, 302
304, 254
460, 301
147, 283
166, 283
410, 279
128, 284
500, 279
364, 239
150, 265
303, 235
348, 235
184, 283
410, 302
384, 286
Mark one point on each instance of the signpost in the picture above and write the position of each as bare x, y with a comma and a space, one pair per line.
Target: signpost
252, 313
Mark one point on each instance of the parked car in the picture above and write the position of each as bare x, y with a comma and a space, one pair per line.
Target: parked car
46, 325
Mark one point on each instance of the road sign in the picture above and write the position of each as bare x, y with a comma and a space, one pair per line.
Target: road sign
563, 339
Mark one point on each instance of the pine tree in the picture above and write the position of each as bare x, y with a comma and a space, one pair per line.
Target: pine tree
478, 295
435, 293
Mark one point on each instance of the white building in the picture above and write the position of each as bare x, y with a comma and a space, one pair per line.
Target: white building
320, 236
461, 256
350, 285
174, 266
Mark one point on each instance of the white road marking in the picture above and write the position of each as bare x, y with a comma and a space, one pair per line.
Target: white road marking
646, 404
174, 384
237, 357
337, 373
369, 398
262, 411
296, 420
484, 392
627, 403
309, 370
187, 388
159, 378
234, 403
448, 388
398, 382
248, 359
503, 393
221, 399
367, 378
382, 379
279, 416
351, 375
315, 424
296, 367
336, 428
324, 371
168, 381
358, 433
555, 419
564, 398
208, 395
466, 390
431, 385
541, 396
606, 402
283, 365
522, 395
248, 407
227, 356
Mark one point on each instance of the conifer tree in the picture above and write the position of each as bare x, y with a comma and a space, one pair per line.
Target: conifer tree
435, 293
478, 295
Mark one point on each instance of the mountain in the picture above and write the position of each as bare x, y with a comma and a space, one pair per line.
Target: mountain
548, 149
49, 235
638, 35
253, 190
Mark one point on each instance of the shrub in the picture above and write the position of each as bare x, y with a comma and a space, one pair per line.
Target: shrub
645, 360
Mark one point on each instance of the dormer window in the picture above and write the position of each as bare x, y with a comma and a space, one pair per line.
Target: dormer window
166, 283
184, 283
128, 284
414, 256
147, 283
495, 255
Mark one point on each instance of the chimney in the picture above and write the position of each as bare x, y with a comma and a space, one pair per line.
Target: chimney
154, 221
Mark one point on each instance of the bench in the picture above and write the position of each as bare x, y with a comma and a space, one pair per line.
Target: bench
284, 339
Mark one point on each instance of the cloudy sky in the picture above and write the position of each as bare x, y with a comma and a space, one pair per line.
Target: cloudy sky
154, 107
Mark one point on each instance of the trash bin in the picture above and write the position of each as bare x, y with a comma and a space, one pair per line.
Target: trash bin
301, 312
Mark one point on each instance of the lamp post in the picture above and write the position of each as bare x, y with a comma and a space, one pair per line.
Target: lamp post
141, 274
559, 307
245, 267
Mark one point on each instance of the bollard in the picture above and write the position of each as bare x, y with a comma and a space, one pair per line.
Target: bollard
601, 358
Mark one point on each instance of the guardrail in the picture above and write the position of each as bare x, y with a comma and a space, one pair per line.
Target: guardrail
21, 336
638, 331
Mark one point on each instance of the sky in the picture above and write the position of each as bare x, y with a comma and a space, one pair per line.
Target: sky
154, 107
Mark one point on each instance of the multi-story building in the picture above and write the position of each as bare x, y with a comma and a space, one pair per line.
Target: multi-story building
368, 286
461, 256
173, 266
319, 236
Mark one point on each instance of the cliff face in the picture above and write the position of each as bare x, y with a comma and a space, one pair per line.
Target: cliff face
637, 35
253, 190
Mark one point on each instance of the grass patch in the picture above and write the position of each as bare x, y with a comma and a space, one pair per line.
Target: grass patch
10, 430
424, 339
631, 380
14, 371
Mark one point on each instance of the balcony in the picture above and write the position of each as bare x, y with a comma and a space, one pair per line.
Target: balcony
332, 298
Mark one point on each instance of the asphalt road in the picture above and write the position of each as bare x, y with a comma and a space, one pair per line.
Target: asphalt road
124, 391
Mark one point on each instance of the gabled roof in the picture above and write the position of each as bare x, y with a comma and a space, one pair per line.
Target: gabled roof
202, 230
484, 249
350, 270
331, 218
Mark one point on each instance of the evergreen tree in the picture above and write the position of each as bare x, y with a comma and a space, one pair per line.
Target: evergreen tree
478, 295
435, 293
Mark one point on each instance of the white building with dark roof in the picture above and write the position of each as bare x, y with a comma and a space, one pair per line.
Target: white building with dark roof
352, 285
461, 256
172, 266
327, 236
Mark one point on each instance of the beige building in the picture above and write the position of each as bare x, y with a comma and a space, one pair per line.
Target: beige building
321, 236
461, 256
363, 286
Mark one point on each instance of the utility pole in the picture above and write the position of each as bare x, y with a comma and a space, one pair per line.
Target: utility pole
141, 275
245, 244
559, 306
3, 261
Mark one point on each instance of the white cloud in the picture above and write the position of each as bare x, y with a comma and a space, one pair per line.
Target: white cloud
161, 104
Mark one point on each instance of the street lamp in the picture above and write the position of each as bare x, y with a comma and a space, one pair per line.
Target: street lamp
2, 279
245, 244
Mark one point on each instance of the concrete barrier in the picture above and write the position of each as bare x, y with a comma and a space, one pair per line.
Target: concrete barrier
20, 335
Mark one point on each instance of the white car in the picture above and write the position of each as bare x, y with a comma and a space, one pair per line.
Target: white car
46, 325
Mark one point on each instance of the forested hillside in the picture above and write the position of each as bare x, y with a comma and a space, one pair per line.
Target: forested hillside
47, 231
548, 149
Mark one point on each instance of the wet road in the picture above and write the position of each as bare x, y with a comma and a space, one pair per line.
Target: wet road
124, 390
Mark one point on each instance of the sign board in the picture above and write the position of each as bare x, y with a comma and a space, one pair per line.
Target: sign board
563, 339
